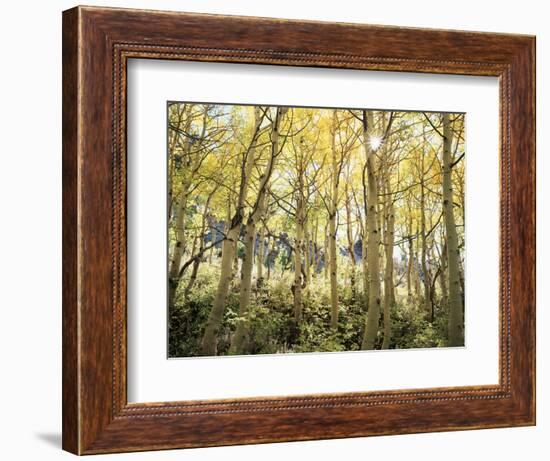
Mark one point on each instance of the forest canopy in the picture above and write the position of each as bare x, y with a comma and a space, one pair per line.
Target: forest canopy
297, 229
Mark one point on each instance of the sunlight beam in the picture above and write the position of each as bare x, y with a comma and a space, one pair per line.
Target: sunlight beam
375, 142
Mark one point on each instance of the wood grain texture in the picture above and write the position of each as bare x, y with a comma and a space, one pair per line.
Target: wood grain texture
97, 42
70, 384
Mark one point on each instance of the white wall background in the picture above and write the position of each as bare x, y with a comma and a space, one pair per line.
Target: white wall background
30, 230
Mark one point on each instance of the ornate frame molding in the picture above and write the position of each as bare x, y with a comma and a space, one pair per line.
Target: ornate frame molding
97, 43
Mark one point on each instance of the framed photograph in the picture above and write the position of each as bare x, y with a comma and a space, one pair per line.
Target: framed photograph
284, 230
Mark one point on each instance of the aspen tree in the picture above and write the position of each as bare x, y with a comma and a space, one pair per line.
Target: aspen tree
239, 339
229, 247
456, 318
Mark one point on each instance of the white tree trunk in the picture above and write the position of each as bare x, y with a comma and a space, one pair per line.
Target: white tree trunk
229, 252
238, 343
209, 340
373, 242
298, 249
456, 317
389, 290
260, 258
333, 269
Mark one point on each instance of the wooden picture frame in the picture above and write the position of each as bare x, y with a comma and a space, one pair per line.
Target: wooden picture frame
97, 43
